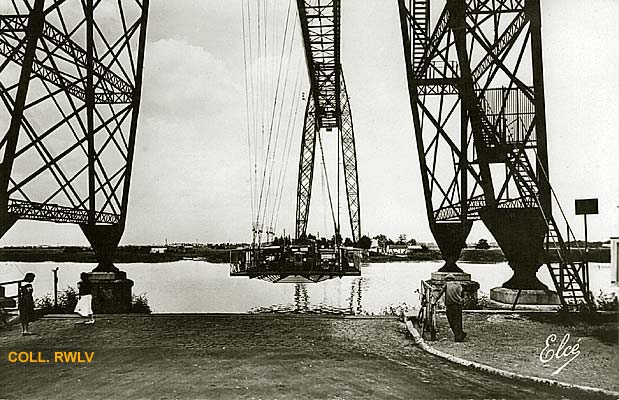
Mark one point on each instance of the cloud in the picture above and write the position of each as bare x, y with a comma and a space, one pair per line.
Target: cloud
184, 81
190, 149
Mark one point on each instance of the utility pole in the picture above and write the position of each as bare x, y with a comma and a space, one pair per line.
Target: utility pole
55, 271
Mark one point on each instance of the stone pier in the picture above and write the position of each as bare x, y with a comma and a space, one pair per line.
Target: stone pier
520, 234
111, 290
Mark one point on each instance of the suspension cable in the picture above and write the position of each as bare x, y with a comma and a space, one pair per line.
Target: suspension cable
276, 100
290, 129
267, 81
247, 112
324, 166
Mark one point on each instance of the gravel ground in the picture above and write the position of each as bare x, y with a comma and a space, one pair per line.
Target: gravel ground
242, 356
513, 342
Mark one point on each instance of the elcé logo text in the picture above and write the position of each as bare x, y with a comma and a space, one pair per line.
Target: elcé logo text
70, 357
562, 351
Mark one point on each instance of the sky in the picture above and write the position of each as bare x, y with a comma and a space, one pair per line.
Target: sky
190, 177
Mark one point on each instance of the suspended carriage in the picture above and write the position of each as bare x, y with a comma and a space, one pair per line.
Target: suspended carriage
296, 263
275, 94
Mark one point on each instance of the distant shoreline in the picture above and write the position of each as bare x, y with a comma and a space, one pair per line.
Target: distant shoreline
143, 254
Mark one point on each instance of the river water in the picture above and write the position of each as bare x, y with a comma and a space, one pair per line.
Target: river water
201, 287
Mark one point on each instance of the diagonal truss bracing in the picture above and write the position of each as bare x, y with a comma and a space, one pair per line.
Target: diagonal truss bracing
320, 23
306, 168
475, 80
349, 162
70, 90
454, 64
330, 108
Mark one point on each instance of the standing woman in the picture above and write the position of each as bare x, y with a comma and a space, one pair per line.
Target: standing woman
84, 305
26, 307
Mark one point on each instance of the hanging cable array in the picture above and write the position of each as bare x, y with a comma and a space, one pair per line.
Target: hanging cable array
277, 37
273, 87
327, 187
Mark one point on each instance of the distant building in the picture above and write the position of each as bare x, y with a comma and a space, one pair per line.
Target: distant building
375, 247
157, 250
432, 246
397, 249
413, 248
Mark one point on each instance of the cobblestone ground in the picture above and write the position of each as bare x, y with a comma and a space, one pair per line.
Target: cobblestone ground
242, 356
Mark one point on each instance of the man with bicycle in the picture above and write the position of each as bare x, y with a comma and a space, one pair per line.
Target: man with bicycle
453, 302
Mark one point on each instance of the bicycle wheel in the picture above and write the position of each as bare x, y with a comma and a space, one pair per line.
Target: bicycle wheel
421, 318
432, 323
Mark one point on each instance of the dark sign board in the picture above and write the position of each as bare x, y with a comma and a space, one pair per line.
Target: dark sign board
586, 206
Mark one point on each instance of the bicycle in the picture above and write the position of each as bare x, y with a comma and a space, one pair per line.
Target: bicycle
426, 317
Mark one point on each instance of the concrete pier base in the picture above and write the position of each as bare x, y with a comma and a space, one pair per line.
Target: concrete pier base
520, 233
527, 296
111, 292
458, 276
451, 239
469, 287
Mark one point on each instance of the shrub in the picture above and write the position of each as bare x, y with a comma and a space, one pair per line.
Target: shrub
45, 303
139, 304
607, 301
67, 300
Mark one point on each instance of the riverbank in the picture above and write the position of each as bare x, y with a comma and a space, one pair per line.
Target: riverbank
124, 254
517, 341
146, 254
242, 356
468, 255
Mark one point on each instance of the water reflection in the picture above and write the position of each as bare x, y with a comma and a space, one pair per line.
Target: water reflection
357, 287
301, 300
302, 305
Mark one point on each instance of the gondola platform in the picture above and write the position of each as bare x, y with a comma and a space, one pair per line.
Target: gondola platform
296, 263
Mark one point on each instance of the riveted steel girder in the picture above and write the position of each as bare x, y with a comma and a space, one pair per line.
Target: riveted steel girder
67, 153
320, 24
330, 108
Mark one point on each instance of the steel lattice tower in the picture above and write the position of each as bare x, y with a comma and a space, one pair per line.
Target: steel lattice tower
328, 107
475, 78
70, 84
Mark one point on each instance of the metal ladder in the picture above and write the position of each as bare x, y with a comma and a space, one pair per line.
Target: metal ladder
420, 30
570, 272
523, 174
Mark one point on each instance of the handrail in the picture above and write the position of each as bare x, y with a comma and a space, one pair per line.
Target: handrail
17, 282
556, 199
10, 282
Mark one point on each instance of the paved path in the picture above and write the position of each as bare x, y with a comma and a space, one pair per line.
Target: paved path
242, 356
